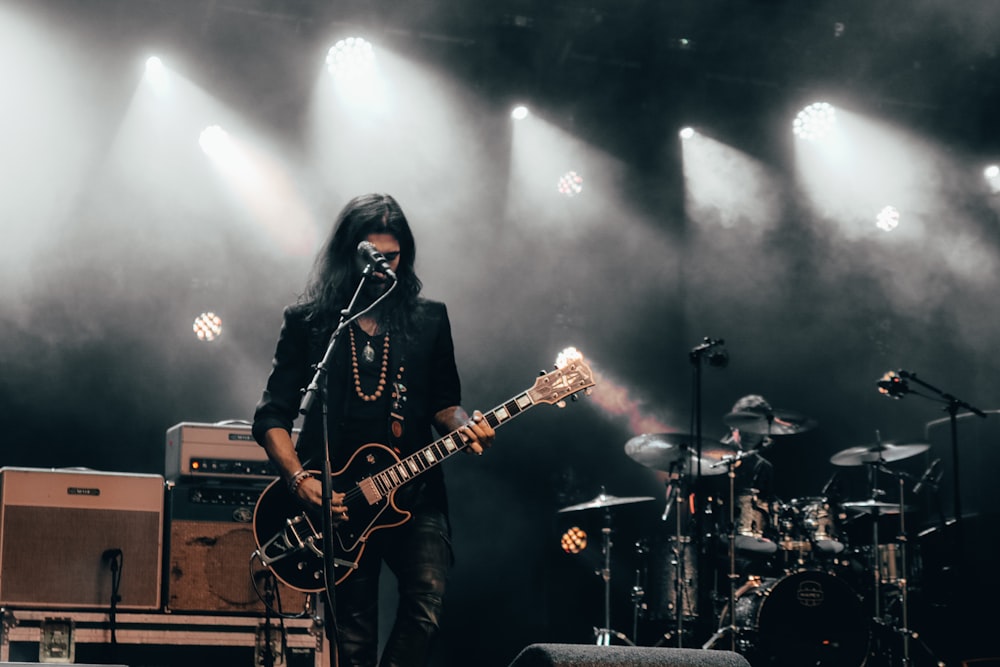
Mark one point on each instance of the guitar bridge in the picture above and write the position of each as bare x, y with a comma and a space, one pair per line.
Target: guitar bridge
299, 534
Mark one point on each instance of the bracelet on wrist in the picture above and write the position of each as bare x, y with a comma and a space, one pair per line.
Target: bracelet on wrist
296, 480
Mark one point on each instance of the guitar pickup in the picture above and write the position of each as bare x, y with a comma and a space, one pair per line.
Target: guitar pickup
370, 491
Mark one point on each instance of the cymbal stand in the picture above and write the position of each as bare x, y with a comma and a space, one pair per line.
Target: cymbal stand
876, 493
605, 633
732, 630
675, 499
903, 578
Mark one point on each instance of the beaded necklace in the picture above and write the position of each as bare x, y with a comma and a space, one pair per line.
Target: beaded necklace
382, 372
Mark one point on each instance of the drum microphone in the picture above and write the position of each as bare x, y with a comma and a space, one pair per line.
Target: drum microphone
927, 478
370, 254
893, 385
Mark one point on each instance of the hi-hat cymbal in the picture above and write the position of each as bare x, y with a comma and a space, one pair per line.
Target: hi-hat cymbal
873, 506
604, 500
777, 422
668, 451
880, 452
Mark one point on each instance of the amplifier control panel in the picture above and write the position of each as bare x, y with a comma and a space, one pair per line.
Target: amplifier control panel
224, 450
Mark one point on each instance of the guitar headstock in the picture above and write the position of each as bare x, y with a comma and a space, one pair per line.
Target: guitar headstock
571, 376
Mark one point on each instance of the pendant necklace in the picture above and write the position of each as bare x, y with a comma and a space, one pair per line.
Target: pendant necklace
368, 352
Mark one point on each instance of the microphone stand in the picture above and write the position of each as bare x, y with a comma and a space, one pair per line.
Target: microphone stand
718, 358
317, 388
952, 406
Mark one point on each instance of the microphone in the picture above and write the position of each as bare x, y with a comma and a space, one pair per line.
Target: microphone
893, 385
927, 477
370, 254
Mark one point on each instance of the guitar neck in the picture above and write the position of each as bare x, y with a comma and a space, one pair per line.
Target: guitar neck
433, 454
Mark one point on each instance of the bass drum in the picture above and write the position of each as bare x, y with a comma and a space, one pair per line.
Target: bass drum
805, 618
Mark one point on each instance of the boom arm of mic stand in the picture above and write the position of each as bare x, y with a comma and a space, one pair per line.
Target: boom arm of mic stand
953, 405
953, 402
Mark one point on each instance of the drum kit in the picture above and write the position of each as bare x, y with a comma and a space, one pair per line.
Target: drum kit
799, 592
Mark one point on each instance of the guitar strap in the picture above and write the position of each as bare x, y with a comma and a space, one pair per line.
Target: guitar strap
397, 411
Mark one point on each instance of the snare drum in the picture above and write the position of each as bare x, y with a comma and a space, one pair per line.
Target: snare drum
805, 618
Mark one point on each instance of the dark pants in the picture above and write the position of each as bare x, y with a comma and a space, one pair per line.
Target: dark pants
419, 554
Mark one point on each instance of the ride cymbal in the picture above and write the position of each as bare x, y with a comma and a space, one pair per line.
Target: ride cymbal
778, 422
604, 500
668, 452
880, 452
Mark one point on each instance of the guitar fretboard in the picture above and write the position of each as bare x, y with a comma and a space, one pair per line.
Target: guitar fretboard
433, 454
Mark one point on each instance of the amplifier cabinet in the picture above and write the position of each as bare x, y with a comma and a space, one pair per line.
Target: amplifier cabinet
61, 532
210, 545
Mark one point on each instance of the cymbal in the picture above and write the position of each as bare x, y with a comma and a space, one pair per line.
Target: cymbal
604, 500
880, 452
779, 422
873, 506
667, 451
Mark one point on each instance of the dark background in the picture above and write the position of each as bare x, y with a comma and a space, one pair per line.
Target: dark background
105, 261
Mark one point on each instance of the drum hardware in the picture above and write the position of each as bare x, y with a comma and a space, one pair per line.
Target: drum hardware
672, 453
604, 501
676, 454
877, 508
731, 463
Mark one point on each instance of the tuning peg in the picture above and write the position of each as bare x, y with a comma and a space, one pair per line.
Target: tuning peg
561, 404
574, 398
543, 372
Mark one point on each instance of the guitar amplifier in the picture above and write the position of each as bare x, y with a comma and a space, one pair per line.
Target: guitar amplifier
223, 450
61, 531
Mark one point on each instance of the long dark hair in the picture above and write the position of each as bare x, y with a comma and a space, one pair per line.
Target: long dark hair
336, 272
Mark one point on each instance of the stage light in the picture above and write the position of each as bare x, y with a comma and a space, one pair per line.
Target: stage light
207, 326
519, 112
574, 540
570, 184
815, 122
992, 176
214, 140
350, 58
154, 66
686, 132
887, 219
156, 74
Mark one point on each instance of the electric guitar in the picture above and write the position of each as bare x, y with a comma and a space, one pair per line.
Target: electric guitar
289, 537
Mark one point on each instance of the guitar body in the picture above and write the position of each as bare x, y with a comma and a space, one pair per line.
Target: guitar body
292, 535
